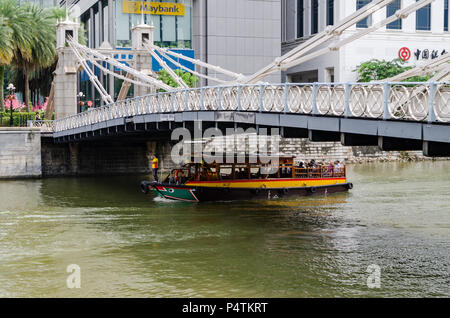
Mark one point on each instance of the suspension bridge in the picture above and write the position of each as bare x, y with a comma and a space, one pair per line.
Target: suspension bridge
392, 114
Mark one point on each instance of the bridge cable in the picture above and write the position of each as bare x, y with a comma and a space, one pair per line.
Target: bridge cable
120, 65
92, 77
161, 62
187, 69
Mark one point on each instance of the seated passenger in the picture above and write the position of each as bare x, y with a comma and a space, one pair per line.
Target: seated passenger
312, 164
330, 169
286, 171
337, 167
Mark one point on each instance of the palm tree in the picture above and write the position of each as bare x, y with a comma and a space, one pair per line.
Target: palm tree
16, 20
13, 37
6, 54
28, 42
42, 46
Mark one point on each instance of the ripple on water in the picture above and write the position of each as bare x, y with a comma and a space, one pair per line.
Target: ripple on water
133, 245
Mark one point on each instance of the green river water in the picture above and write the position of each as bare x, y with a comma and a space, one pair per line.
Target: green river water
128, 244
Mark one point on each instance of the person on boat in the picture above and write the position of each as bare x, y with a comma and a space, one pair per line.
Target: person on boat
337, 167
155, 164
286, 171
312, 164
179, 176
330, 169
301, 165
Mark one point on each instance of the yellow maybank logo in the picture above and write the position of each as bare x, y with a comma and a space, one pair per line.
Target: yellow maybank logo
159, 8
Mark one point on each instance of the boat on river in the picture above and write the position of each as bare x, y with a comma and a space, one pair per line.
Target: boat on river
199, 182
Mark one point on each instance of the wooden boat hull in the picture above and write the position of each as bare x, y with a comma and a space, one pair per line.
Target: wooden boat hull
216, 192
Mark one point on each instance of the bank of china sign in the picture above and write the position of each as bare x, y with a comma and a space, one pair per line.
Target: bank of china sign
158, 8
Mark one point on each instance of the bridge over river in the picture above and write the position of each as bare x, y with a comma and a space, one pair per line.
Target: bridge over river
393, 116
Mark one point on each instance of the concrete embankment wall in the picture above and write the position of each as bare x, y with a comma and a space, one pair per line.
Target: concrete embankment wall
20, 153
304, 150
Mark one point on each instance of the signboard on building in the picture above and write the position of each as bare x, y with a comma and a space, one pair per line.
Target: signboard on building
420, 54
157, 8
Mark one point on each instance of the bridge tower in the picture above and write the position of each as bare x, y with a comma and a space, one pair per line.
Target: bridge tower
65, 75
140, 34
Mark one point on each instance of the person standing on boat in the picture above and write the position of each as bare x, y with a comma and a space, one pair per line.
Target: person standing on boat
155, 164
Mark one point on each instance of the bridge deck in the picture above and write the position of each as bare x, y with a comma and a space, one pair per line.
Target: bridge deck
412, 111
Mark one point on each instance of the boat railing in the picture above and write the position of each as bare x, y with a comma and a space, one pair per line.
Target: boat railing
319, 172
285, 171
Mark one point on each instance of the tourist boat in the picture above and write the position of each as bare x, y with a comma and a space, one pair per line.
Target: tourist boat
198, 182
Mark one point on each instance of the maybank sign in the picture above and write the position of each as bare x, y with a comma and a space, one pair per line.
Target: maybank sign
159, 8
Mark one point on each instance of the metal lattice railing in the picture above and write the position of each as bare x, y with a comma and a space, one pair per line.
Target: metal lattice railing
420, 102
44, 125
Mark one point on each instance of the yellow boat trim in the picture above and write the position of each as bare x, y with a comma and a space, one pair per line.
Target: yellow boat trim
268, 183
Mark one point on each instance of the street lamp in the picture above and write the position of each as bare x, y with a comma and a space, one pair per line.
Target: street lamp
11, 90
80, 103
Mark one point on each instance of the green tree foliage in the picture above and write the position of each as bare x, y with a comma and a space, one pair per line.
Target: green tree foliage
16, 35
28, 44
374, 70
6, 54
43, 44
188, 78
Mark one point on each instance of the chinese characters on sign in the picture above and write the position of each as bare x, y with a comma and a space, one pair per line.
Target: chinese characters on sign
405, 54
428, 54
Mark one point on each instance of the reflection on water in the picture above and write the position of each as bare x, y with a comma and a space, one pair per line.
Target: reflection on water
131, 245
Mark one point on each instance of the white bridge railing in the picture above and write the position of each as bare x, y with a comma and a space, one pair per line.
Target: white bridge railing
420, 102
45, 125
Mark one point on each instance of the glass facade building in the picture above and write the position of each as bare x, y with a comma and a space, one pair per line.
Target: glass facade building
172, 29
113, 20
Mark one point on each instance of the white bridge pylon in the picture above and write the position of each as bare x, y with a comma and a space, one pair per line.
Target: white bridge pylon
302, 53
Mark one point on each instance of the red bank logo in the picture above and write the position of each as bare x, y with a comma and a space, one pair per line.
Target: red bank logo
404, 53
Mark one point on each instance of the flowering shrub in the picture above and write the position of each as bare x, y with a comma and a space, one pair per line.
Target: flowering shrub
17, 106
14, 102
39, 107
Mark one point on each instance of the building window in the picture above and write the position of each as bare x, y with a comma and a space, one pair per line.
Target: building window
390, 11
423, 18
300, 12
314, 16
330, 12
445, 15
366, 22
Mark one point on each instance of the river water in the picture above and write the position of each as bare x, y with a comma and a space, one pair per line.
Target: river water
127, 244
